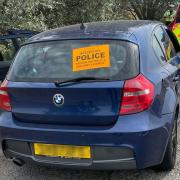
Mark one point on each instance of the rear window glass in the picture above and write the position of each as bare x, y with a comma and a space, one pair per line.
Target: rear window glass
54, 60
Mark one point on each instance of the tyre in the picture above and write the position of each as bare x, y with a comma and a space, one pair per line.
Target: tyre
169, 159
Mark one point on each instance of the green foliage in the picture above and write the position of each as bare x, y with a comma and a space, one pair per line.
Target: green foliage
150, 9
20, 14
65, 12
44, 14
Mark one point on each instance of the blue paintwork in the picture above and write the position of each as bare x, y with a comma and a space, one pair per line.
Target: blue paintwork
90, 113
81, 105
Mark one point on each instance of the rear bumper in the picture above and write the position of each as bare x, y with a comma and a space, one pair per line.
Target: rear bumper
102, 157
133, 143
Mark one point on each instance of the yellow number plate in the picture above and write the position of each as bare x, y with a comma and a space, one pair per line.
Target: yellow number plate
66, 151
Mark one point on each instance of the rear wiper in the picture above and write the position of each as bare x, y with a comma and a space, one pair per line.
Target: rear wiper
57, 83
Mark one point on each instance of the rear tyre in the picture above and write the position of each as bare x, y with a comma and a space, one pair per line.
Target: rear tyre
169, 159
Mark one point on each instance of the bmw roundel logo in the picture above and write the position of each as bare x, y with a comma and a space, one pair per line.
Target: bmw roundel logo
58, 99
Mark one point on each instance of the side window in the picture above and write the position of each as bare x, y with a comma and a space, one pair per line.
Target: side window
158, 51
165, 43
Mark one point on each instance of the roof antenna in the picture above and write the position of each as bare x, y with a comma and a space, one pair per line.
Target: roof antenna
82, 27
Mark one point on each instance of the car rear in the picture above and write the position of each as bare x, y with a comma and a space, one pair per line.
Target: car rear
33, 81
80, 103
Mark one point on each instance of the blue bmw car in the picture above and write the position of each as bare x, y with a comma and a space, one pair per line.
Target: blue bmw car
101, 95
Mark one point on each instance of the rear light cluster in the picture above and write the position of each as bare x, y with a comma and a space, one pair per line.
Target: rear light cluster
4, 97
138, 94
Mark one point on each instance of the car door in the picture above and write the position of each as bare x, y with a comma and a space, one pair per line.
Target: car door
176, 58
169, 53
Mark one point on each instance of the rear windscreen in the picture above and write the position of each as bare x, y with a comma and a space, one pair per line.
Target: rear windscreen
67, 59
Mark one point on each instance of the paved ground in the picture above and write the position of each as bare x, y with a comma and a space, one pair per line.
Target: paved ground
9, 171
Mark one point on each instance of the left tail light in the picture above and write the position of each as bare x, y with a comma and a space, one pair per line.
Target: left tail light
4, 97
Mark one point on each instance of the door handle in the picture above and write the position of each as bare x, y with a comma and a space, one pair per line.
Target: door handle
176, 78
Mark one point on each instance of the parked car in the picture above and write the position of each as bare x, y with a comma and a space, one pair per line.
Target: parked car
101, 95
9, 45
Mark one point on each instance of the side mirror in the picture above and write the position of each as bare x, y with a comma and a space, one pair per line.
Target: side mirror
175, 61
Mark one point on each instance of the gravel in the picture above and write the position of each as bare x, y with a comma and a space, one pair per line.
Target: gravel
9, 171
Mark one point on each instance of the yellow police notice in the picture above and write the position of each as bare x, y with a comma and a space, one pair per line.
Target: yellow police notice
91, 57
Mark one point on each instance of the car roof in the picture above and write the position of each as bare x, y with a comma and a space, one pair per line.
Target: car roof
122, 29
